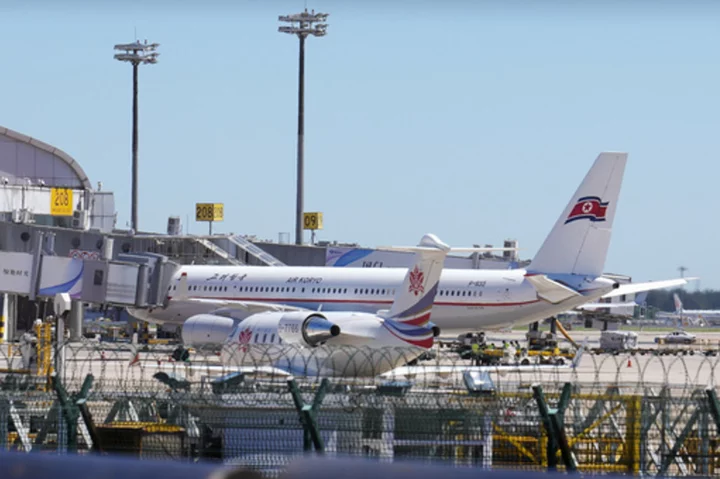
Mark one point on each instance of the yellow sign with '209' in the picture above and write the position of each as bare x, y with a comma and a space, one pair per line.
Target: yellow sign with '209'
61, 202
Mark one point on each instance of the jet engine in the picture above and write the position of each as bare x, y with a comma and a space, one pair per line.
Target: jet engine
206, 330
307, 329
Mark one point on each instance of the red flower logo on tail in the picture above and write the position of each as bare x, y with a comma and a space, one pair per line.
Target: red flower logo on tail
244, 339
416, 281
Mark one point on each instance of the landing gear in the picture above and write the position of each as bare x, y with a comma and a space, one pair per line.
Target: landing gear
538, 340
180, 354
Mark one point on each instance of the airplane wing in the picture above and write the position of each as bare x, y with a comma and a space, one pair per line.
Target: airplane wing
549, 290
249, 307
632, 288
594, 306
189, 369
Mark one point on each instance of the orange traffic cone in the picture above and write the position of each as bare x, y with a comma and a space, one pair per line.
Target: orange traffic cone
629, 362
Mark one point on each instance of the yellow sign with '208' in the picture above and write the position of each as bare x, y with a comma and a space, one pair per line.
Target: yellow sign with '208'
61, 202
209, 212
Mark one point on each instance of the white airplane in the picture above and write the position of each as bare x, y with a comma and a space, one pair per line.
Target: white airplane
564, 274
372, 343
630, 305
690, 317
340, 343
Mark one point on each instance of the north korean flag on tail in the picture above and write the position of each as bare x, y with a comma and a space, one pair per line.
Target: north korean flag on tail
588, 207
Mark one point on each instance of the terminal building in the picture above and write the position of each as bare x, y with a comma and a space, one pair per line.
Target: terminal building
49, 206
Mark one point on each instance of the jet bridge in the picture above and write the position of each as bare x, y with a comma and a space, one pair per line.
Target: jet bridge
133, 279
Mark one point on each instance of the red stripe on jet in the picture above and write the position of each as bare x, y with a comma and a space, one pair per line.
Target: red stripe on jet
419, 321
354, 301
423, 343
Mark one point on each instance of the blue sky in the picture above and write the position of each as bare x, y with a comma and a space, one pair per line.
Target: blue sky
472, 120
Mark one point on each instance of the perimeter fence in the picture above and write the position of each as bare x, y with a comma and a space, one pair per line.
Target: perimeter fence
641, 415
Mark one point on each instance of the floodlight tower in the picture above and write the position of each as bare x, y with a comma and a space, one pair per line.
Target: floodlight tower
303, 25
137, 54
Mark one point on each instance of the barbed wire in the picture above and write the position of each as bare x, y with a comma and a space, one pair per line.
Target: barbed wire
126, 367
644, 414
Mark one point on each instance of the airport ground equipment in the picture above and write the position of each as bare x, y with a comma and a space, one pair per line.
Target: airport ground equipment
618, 341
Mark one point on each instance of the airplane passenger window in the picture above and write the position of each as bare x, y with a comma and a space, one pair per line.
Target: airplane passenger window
264, 337
272, 338
257, 335
383, 291
303, 290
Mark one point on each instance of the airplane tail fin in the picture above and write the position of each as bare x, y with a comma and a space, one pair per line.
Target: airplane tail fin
413, 301
579, 241
641, 297
678, 303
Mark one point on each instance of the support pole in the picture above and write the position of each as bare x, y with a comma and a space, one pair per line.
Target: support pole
135, 226
3, 316
554, 422
300, 145
76, 321
714, 408
308, 415
71, 410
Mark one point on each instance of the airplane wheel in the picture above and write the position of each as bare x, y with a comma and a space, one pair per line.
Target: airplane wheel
180, 354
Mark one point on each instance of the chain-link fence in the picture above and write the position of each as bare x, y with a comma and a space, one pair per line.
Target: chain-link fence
649, 415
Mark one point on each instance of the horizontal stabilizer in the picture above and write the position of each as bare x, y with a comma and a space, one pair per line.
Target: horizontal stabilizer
549, 290
632, 288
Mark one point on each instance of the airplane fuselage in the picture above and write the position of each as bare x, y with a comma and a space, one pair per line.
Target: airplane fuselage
467, 299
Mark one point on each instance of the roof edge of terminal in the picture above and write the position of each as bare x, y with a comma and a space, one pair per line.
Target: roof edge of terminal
52, 150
